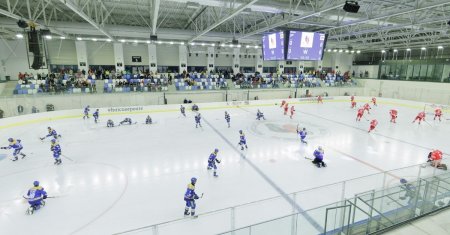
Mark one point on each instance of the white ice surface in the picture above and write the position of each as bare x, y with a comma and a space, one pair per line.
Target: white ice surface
133, 176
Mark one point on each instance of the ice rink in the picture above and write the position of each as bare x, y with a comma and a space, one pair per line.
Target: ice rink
116, 179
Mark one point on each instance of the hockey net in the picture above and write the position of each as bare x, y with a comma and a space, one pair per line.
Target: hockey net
430, 108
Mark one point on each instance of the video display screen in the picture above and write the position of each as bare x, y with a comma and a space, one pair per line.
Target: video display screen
273, 46
305, 45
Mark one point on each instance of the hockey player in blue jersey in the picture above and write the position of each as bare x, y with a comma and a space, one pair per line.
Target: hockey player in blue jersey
318, 158
242, 140
227, 118
190, 196
86, 112
126, 121
17, 146
260, 115
302, 135
110, 123
51, 133
56, 151
195, 107
148, 120
182, 110
35, 197
198, 118
212, 160
95, 115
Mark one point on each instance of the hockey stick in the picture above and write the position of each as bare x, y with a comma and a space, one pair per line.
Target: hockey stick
308, 158
66, 157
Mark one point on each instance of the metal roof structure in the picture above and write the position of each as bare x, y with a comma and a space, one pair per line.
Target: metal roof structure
378, 24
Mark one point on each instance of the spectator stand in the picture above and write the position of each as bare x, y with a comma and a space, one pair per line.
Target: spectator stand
136, 83
200, 82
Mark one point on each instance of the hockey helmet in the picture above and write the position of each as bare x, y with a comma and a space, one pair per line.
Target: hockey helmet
10, 140
53, 140
193, 180
320, 148
216, 150
240, 131
403, 181
36, 183
49, 128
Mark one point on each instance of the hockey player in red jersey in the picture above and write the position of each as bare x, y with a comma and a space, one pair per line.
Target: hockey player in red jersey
420, 117
319, 99
437, 113
360, 114
393, 114
373, 124
367, 107
286, 108
435, 157
374, 101
352, 98
282, 103
353, 104
292, 111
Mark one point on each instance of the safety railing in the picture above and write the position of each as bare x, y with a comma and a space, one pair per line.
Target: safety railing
374, 211
304, 212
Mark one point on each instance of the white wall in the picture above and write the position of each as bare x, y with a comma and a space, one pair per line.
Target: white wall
13, 59
100, 53
168, 55
431, 92
62, 52
135, 49
372, 69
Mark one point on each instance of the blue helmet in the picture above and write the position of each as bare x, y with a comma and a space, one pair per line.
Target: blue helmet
403, 181
10, 139
49, 128
193, 180
53, 140
216, 150
240, 131
36, 183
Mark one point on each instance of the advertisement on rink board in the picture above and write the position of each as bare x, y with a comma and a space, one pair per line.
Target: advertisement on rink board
125, 109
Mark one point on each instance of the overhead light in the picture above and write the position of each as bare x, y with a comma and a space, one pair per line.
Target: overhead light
395, 50
62, 37
148, 42
203, 44
19, 35
358, 52
423, 48
231, 45
79, 39
335, 50
122, 40
346, 51
181, 43
159, 42
192, 43
135, 41
238, 45
329, 50
256, 47
171, 43
383, 51
213, 45
352, 51
48, 37
222, 45
408, 49
440, 47
108, 40
247, 46
94, 39
340, 50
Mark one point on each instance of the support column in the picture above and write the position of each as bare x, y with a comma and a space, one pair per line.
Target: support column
210, 61
182, 57
259, 62
118, 57
236, 60
81, 50
153, 62
280, 67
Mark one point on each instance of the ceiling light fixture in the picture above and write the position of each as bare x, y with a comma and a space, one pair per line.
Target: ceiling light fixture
19, 35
